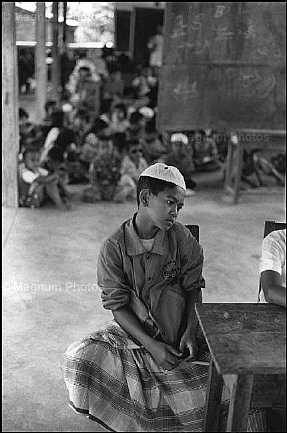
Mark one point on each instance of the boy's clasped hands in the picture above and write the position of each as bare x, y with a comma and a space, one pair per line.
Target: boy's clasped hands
168, 357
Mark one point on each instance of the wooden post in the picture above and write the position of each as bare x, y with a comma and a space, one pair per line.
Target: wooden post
10, 121
213, 399
41, 67
65, 8
55, 52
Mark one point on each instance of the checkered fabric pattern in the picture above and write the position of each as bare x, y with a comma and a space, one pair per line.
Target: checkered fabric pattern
116, 382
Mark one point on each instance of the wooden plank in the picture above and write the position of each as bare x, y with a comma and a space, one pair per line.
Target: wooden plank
55, 52
40, 57
10, 124
213, 400
239, 404
269, 391
245, 338
225, 317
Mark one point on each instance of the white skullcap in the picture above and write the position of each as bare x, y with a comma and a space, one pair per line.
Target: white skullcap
147, 112
165, 172
67, 108
179, 137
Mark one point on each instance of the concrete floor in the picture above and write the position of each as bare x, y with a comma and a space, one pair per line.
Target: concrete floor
50, 298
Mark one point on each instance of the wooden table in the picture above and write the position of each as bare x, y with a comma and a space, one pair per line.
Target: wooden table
248, 353
264, 139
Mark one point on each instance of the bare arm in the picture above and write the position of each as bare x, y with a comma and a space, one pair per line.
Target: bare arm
274, 291
48, 178
188, 340
165, 355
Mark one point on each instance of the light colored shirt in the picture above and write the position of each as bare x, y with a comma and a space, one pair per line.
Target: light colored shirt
273, 257
49, 143
30, 176
156, 44
147, 244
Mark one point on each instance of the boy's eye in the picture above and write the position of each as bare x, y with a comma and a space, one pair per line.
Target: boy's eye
169, 202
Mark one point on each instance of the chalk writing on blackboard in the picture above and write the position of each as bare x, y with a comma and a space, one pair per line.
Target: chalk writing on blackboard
179, 28
250, 32
196, 23
220, 11
186, 89
222, 33
253, 84
199, 47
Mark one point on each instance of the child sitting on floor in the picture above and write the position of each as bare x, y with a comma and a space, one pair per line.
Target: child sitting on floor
104, 173
133, 165
36, 182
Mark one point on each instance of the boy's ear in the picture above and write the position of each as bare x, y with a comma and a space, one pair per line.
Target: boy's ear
144, 197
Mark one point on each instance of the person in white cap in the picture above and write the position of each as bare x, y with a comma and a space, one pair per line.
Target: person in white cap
180, 157
147, 369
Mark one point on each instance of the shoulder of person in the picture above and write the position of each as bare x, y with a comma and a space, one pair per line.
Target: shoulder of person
111, 245
182, 233
276, 236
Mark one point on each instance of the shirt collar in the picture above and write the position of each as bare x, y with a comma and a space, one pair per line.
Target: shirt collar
134, 245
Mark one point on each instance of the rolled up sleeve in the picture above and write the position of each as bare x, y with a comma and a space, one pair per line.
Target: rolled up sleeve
191, 265
111, 278
273, 255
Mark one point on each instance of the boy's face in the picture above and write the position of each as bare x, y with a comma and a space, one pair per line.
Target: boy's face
135, 152
198, 137
92, 140
105, 147
177, 147
163, 208
119, 114
32, 160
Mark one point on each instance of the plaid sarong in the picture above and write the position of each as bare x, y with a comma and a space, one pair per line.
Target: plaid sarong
117, 383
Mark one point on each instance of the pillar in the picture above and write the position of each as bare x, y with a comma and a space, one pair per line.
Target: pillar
10, 121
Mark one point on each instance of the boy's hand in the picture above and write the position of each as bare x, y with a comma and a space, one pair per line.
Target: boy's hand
165, 355
188, 345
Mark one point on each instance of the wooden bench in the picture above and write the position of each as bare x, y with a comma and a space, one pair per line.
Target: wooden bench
264, 139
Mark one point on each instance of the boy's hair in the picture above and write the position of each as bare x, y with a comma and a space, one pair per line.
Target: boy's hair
99, 125
135, 117
64, 139
23, 113
120, 140
57, 118
153, 185
30, 149
56, 154
50, 103
132, 142
121, 107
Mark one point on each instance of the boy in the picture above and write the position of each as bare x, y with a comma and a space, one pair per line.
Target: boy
104, 172
35, 181
137, 374
182, 160
132, 376
133, 164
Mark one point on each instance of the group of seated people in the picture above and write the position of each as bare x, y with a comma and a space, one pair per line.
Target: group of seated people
107, 148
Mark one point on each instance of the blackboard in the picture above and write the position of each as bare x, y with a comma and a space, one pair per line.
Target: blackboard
223, 66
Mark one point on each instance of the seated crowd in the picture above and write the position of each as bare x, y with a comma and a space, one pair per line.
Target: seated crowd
103, 142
